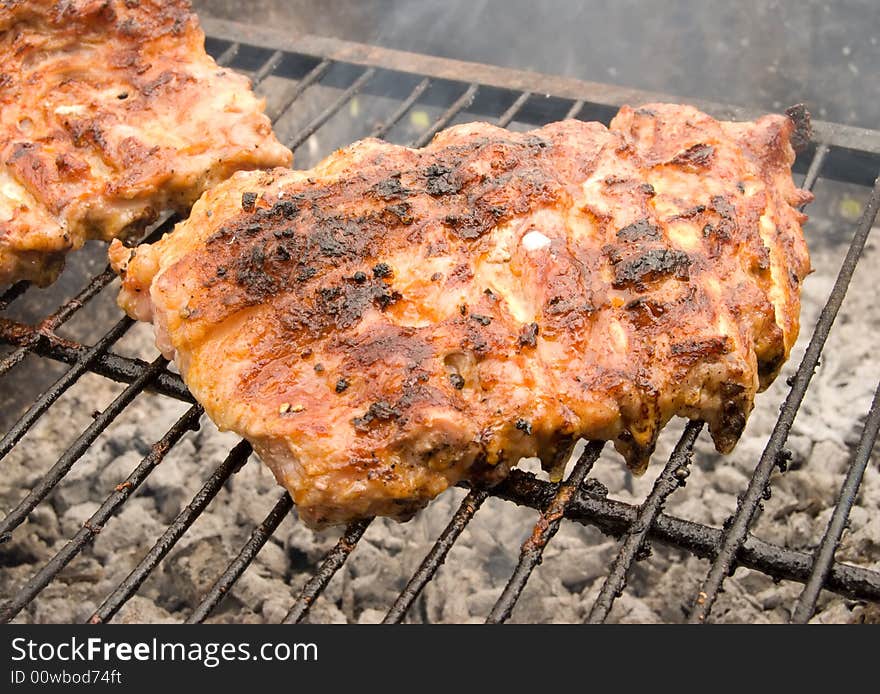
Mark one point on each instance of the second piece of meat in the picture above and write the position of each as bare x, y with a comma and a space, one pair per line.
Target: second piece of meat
110, 113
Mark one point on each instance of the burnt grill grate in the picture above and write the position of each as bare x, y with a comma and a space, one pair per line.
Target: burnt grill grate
839, 152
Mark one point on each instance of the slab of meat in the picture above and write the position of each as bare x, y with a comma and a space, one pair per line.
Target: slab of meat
396, 320
110, 113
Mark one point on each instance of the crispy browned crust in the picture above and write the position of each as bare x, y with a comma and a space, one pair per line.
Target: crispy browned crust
395, 320
110, 113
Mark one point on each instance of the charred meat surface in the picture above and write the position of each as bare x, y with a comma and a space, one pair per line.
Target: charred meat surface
110, 113
492, 296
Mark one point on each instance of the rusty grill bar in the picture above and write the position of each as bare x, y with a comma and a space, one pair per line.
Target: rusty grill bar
839, 152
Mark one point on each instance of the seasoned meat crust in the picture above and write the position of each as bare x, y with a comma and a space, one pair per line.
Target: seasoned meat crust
110, 113
395, 320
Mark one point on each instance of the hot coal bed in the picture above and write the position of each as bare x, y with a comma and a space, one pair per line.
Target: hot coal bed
122, 502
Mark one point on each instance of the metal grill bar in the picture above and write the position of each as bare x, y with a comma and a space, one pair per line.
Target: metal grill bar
614, 517
436, 556
328, 112
459, 105
113, 366
54, 321
815, 167
824, 555
735, 533
67, 310
248, 553
575, 109
382, 129
506, 117
129, 586
57, 389
315, 74
229, 54
548, 524
266, 68
673, 476
609, 96
11, 294
188, 422
333, 561
78, 447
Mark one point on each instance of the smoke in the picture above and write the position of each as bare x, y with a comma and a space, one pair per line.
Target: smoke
765, 53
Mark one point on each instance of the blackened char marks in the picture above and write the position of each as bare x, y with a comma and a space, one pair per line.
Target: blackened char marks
309, 315
361, 352
248, 201
486, 181
706, 350
324, 239
402, 211
283, 208
315, 250
725, 209
250, 272
642, 230
468, 226
528, 336
524, 426
770, 363
223, 234
803, 129
384, 296
343, 306
148, 89
650, 266
305, 274
441, 180
481, 319
390, 188
735, 405
689, 213
695, 157
87, 131
329, 239
644, 312
724, 226
381, 411
493, 200
382, 270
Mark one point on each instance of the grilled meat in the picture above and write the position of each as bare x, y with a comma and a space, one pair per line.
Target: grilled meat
110, 113
396, 320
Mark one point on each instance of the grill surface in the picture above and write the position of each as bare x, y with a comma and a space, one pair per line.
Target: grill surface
838, 152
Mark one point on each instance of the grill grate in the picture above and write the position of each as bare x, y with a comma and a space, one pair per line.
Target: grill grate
673, 476
773, 457
332, 562
843, 153
546, 527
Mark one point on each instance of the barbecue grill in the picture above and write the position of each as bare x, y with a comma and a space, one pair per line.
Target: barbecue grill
452, 88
